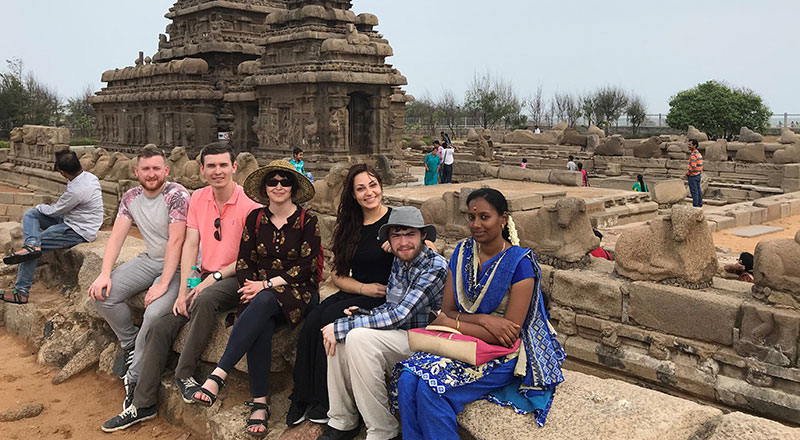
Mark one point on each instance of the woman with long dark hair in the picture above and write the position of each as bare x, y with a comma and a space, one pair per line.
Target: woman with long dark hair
361, 267
639, 186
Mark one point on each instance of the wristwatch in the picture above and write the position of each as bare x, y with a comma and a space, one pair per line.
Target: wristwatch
269, 284
217, 275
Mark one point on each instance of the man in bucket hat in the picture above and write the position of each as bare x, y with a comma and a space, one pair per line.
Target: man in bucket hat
364, 346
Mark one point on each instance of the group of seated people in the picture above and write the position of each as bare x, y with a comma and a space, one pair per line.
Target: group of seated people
262, 257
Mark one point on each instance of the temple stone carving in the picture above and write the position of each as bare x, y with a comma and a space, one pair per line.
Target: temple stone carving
35, 145
269, 75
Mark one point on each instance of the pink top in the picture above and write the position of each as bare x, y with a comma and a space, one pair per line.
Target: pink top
524, 164
203, 211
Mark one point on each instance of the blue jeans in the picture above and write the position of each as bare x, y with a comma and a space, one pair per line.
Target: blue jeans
695, 191
49, 233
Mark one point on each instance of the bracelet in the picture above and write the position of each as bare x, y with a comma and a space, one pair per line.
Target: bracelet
361, 289
458, 323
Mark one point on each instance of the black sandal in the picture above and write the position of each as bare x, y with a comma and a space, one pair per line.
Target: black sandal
250, 423
211, 396
16, 297
16, 258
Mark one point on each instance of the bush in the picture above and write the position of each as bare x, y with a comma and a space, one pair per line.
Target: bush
77, 142
4, 144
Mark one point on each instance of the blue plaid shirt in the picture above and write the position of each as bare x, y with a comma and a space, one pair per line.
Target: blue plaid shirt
413, 290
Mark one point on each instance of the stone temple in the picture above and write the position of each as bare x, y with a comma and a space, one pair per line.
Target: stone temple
269, 75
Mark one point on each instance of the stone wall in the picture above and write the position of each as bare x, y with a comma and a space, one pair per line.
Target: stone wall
14, 204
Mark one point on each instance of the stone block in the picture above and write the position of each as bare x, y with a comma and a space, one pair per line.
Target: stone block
741, 216
6, 198
790, 185
757, 215
565, 177
773, 208
667, 192
525, 203
467, 168
786, 210
769, 334
740, 426
25, 199
775, 404
588, 291
514, 173
722, 222
613, 169
791, 170
15, 212
695, 314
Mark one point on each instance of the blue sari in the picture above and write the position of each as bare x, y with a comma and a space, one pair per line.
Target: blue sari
528, 377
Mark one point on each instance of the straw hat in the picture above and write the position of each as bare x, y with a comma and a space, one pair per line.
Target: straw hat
254, 184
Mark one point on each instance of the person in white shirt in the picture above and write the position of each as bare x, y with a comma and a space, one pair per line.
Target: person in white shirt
537, 130
571, 164
75, 218
448, 157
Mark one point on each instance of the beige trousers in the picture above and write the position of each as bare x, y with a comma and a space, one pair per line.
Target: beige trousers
357, 380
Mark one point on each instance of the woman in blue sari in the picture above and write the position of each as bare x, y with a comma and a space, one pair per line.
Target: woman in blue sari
492, 293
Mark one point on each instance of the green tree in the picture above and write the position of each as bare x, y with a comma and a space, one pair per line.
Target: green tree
25, 100
80, 114
492, 101
425, 110
610, 103
718, 110
636, 111
450, 110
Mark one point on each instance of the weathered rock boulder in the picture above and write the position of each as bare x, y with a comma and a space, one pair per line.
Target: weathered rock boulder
677, 247
669, 192
776, 264
122, 169
593, 129
560, 234
417, 143
549, 137
649, 148
717, 152
754, 153
614, 169
520, 137
788, 136
572, 137
693, 134
328, 191
10, 237
246, 163
565, 177
592, 142
790, 154
747, 135
472, 135
613, 146
561, 126
740, 426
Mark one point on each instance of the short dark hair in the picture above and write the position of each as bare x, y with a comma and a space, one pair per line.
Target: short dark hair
570, 157
524, 160
400, 228
296, 151
694, 142
150, 150
67, 161
435, 142
217, 148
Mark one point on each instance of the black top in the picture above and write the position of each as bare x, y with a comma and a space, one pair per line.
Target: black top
370, 264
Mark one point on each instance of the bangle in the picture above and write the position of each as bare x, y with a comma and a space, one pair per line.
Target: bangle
458, 323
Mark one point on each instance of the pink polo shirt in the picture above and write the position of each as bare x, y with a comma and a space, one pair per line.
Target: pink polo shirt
216, 254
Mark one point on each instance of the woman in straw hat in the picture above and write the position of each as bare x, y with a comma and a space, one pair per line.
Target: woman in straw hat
276, 269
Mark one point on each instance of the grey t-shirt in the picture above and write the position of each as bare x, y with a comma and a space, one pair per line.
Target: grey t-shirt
153, 216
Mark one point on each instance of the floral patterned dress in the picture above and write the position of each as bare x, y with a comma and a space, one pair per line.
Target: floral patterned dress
290, 252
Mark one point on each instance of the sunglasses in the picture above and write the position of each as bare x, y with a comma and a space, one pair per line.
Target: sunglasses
218, 232
272, 183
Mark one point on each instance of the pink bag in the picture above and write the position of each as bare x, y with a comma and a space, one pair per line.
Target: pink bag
449, 342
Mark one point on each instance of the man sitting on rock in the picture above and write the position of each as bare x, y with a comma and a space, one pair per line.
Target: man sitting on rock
159, 209
214, 223
75, 218
365, 346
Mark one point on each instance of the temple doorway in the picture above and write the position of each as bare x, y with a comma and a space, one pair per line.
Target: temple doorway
360, 116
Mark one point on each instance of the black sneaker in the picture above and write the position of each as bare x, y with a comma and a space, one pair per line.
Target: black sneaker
130, 386
318, 413
187, 388
296, 414
123, 362
335, 434
129, 417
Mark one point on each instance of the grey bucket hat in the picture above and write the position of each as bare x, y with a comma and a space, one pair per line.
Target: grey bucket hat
408, 216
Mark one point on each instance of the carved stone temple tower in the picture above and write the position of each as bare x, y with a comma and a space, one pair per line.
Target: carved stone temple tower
269, 74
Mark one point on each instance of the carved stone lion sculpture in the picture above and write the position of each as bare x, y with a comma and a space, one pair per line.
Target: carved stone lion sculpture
560, 235
105, 162
677, 247
246, 163
89, 159
329, 190
122, 168
776, 264
184, 170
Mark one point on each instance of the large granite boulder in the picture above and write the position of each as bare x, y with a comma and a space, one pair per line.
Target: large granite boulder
520, 137
648, 149
789, 137
717, 152
776, 264
693, 134
668, 192
613, 146
572, 137
10, 237
593, 129
592, 142
790, 154
558, 234
747, 135
753, 153
677, 247
549, 137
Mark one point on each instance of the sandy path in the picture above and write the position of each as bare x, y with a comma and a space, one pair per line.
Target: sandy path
72, 410
736, 244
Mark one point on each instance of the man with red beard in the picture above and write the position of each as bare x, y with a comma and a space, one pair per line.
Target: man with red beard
159, 209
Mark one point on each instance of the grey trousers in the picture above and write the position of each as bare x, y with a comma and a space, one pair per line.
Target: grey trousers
128, 280
219, 297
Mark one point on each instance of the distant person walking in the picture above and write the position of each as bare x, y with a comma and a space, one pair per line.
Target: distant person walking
571, 164
694, 173
432, 166
584, 175
448, 158
524, 163
536, 129
640, 186
445, 139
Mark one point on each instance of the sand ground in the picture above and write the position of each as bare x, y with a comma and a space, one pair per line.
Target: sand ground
737, 244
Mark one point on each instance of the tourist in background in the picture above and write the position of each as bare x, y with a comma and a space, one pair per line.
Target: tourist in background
277, 274
159, 209
536, 129
448, 158
524, 163
445, 139
432, 166
639, 185
571, 164
361, 267
600, 252
299, 165
694, 174
492, 293
743, 268
75, 218
439, 149
584, 175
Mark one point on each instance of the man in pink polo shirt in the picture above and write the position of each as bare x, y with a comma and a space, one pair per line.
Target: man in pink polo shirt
214, 223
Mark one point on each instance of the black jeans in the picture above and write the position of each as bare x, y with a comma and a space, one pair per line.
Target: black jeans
252, 335
311, 364
447, 173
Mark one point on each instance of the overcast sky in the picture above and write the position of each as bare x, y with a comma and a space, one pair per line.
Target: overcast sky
653, 48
